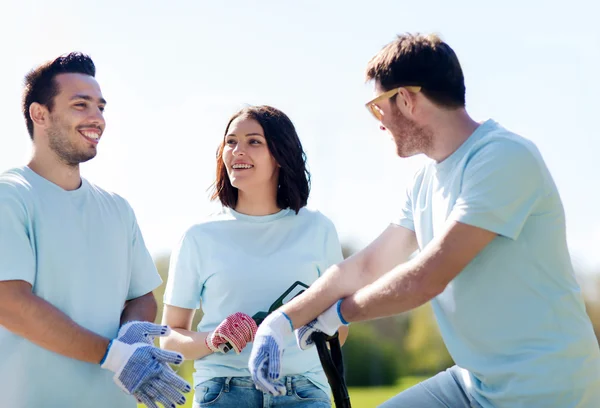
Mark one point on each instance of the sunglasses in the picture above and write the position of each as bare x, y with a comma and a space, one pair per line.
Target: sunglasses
376, 110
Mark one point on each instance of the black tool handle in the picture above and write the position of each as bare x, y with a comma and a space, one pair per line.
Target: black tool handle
333, 365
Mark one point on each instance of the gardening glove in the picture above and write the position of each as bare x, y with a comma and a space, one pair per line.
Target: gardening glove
235, 331
327, 322
141, 332
167, 389
265, 358
138, 364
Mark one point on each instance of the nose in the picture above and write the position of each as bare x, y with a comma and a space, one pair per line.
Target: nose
381, 127
97, 118
238, 150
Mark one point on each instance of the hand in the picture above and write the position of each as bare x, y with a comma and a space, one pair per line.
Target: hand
140, 369
267, 351
166, 389
141, 332
327, 322
237, 329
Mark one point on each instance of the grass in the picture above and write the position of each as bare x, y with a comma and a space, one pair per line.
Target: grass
369, 397
360, 397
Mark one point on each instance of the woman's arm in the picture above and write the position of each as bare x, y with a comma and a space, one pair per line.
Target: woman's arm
182, 339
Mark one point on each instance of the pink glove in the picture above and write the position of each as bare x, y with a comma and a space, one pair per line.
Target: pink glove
237, 329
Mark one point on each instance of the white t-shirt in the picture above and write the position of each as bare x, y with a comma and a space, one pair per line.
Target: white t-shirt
82, 251
240, 263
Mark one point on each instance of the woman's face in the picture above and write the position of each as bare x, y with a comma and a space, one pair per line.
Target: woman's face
247, 158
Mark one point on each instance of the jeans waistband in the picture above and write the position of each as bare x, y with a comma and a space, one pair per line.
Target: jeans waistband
288, 381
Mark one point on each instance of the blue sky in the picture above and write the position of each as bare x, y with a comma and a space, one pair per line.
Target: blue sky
173, 72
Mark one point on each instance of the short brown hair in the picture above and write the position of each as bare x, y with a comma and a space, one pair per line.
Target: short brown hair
420, 60
285, 147
41, 86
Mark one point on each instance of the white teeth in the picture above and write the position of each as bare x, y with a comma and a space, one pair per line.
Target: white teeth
91, 135
242, 166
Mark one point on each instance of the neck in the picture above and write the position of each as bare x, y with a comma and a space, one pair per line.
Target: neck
263, 202
450, 130
48, 165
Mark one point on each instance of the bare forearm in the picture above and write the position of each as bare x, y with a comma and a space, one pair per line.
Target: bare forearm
414, 283
190, 344
338, 282
142, 308
393, 247
404, 288
41, 323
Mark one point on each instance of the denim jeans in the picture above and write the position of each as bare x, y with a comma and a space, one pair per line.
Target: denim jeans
240, 392
448, 389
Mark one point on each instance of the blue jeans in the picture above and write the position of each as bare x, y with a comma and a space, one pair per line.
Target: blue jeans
238, 392
448, 389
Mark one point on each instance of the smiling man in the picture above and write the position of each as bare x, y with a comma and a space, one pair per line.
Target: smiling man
489, 225
76, 279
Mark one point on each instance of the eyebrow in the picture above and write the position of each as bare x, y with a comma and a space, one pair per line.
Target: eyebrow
248, 134
88, 98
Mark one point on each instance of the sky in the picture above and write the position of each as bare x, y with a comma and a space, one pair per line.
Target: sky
174, 72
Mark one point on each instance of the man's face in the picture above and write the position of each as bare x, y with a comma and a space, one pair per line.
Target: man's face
410, 137
76, 120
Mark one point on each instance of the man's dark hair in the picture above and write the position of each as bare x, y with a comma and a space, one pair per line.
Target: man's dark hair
41, 85
285, 147
420, 60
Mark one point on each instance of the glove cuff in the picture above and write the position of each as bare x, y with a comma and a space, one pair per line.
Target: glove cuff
338, 307
279, 323
331, 319
116, 354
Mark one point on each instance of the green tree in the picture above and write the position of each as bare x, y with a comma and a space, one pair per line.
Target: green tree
424, 346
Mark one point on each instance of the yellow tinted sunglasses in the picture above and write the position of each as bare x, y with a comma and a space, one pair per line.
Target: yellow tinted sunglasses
376, 110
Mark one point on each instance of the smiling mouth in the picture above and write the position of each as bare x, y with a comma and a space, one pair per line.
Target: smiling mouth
242, 166
93, 137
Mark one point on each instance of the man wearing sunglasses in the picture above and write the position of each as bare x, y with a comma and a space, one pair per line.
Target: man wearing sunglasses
489, 227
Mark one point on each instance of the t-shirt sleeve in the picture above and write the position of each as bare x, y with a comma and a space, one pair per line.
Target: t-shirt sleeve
333, 248
184, 285
502, 183
405, 218
17, 255
144, 276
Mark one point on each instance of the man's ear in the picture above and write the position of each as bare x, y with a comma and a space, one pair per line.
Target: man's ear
405, 101
39, 114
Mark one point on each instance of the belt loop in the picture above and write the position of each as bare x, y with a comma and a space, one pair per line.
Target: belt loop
226, 385
288, 385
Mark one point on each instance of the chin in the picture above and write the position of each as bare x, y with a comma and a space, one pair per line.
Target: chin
404, 154
236, 183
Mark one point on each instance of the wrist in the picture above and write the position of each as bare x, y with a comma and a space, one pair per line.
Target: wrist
347, 310
117, 353
207, 342
338, 307
105, 352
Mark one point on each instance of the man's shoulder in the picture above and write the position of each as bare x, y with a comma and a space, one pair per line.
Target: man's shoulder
15, 185
499, 143
100, 193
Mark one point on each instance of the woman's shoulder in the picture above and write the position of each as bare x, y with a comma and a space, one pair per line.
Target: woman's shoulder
210, 222
313, 215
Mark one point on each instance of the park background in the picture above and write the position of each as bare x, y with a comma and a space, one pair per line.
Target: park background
173, 73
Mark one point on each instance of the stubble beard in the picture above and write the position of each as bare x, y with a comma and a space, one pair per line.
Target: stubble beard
409, 137
63, 147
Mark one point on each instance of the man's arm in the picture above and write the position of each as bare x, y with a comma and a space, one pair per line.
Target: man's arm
416, 282
141, 309
393, 247
31, 317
